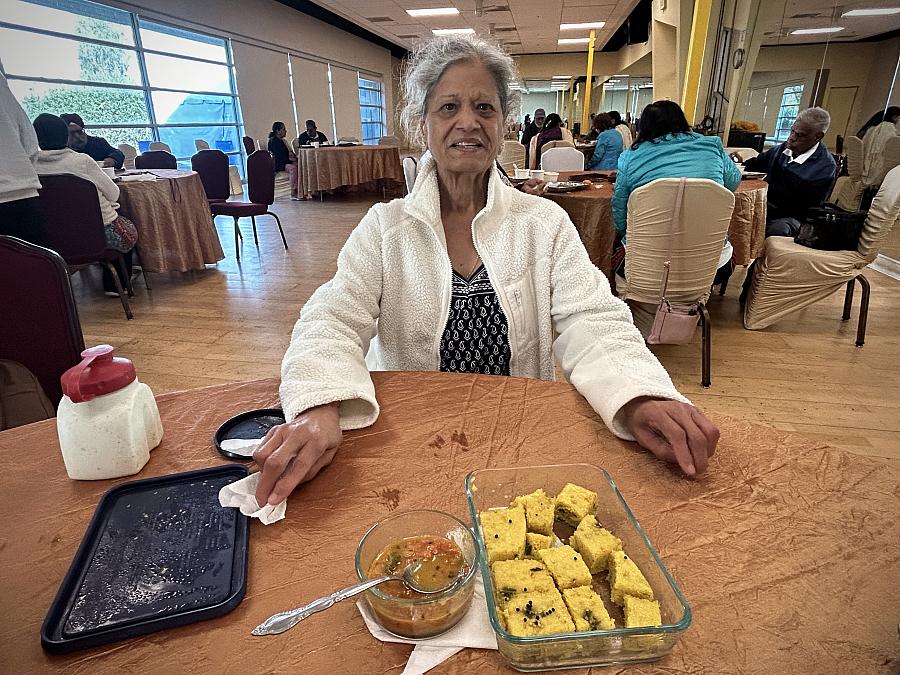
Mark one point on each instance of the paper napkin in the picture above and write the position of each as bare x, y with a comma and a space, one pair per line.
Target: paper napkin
242, 494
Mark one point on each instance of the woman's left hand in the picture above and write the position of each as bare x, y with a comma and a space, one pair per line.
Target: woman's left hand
534, 186
673, 431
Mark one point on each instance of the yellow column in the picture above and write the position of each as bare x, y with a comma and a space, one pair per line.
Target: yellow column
699, 35
586, 109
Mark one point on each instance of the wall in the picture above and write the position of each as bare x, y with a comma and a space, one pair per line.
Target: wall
763, 99
531, 102
264, 33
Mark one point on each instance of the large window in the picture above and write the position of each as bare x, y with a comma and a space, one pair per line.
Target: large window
132, 80
787, 111
371, 110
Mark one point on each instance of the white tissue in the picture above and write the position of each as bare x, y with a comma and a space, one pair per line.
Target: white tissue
473, 630
241, 446
136, 178
241, 494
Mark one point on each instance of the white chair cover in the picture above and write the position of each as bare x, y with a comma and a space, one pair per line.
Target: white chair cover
790, 277
513, 153
392, 141
848, 193
561, 159
130, 153
200, 144
157, 145
410, 171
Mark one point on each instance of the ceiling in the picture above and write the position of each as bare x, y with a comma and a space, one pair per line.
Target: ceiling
523, 26
827, 13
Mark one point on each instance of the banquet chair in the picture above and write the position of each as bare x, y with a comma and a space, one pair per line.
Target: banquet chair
391, 141
790, 277
295, 145
46, 334
201, 144
155, 159
562, 159
249, 145
74, 228
348, 139
743, 153
848, 190
891, 155
512, 155
130, 153
692, 240
410, 171
534, 160
158, 145
212, 165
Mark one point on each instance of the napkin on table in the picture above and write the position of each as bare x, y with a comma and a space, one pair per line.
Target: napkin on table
474, 631
241, 494
241, 446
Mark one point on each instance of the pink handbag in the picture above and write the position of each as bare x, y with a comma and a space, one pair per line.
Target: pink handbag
674, 323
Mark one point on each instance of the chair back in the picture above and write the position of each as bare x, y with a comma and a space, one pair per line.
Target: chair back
891, 155
73, 222
212, 165
158, 145
699, 235
549, 145
513, 153
743, 153
882, 217
295, 146
348, 139
46, 334
200, 144
249, 145
155, 159
261, 177
391, 141
410, 171
130, 153
854, 151
562, 159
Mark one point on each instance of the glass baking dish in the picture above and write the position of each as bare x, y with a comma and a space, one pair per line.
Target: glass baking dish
495, 488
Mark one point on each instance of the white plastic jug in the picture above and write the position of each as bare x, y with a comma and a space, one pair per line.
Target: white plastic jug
107, 420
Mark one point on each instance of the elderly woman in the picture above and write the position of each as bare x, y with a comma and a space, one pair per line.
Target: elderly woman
413, 271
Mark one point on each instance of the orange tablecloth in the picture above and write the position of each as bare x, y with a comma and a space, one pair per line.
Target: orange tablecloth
787, 551
329, 168
175, 229
591, 211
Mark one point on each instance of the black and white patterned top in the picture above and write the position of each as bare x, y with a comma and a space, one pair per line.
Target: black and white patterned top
476, 337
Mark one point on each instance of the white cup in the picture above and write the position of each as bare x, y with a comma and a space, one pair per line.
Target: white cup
109, 171
551, 176
521, 173
316, 144
537, 173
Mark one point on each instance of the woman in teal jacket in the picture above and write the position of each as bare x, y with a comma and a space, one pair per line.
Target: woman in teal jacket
666, 147
609, 145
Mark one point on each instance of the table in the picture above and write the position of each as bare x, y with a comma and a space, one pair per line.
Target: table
175, 228
786, 550
328, 168
591, 211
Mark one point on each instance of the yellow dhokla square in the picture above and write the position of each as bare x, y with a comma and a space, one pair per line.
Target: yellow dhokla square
587, 609
536, 542
594, 543
504, 533
512, 577
626, 579
566, 566
539, 509
574, 503
538, 614
641, 612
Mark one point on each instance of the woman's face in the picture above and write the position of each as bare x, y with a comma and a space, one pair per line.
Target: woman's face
463, 120
281, 131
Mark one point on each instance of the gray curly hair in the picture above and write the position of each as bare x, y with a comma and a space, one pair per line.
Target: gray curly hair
817, 118
427, 63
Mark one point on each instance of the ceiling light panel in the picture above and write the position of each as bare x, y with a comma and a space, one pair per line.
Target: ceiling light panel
573, 41
454, 31
874, 11
438, 11
582, 26
816, 31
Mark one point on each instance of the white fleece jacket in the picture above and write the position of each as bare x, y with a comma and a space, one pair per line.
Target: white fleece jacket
18, 149
81, 165
386, 307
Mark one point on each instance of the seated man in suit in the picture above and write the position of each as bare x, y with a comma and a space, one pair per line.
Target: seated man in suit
94, 146
311, 135
800, 173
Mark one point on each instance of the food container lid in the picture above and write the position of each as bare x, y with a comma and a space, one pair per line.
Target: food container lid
98, 373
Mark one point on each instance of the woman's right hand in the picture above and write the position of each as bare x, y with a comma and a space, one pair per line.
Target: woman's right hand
295, 452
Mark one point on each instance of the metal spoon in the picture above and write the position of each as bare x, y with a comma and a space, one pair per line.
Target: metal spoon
279, 623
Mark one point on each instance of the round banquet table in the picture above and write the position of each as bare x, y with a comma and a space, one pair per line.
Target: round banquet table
331, 167
591, 211
175, 228
786, 550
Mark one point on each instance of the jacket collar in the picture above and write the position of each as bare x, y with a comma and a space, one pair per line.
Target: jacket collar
424, 202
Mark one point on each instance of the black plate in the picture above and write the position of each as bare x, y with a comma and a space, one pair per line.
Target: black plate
158, 553
250, 424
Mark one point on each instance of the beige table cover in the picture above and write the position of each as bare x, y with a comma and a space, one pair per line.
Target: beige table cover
787, 551
175, 229
591, 211
329, 168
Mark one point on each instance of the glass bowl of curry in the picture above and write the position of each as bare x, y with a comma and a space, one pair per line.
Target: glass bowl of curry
445, 549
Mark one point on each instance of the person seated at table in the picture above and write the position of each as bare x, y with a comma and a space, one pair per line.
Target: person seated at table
466, 275
553, 130
54, 158
94, 146
609, 145
622, 128
285, 159
800, 173
311, 135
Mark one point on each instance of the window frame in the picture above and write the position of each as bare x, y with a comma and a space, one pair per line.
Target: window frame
360, 78
796, 88
140, 51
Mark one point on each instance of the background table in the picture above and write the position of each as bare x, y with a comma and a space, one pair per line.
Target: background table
786, 551
591, 211
587, 149
175, 228
328, 168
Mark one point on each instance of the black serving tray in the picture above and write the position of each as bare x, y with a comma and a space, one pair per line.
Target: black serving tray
250, 424
158, 553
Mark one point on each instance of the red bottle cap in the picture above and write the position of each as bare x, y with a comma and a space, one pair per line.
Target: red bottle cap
97, 374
